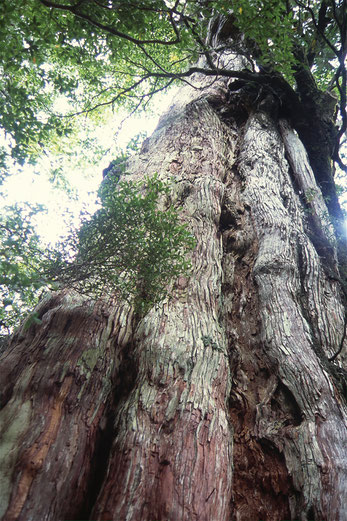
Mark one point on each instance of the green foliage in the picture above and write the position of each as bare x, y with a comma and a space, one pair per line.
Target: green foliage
52, 55
95, 54
134, 245
270, 26
21, 263
284, 35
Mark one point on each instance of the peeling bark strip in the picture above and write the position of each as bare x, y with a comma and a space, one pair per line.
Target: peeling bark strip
219, 405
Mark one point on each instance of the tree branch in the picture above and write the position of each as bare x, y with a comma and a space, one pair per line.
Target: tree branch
316, 25
112, 30
201, 43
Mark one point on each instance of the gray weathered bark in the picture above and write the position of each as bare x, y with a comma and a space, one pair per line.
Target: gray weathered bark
220, 404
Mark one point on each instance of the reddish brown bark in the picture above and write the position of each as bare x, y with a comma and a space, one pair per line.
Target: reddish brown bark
57, 394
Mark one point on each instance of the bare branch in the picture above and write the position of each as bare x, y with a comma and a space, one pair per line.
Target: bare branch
124, 92
339, 161
343, 111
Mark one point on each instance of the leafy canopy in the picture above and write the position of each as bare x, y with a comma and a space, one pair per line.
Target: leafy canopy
112, 53
21, 277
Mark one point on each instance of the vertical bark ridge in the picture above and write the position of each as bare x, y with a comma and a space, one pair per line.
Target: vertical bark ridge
287, 336
261, 481
319, 289
173, 451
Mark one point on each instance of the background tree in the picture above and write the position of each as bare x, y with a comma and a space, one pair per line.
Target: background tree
228, 400
19, 264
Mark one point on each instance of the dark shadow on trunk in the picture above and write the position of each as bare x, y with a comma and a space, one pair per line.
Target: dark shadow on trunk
125, 383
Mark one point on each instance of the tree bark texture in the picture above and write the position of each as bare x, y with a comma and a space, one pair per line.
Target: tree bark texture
221, 403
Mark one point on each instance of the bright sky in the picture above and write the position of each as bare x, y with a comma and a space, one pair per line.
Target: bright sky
35, 187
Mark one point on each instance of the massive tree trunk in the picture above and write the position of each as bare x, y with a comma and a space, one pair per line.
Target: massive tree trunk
221, 403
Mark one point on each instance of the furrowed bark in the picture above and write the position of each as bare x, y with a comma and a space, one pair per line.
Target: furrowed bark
57, 388
299, 415
173, 449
